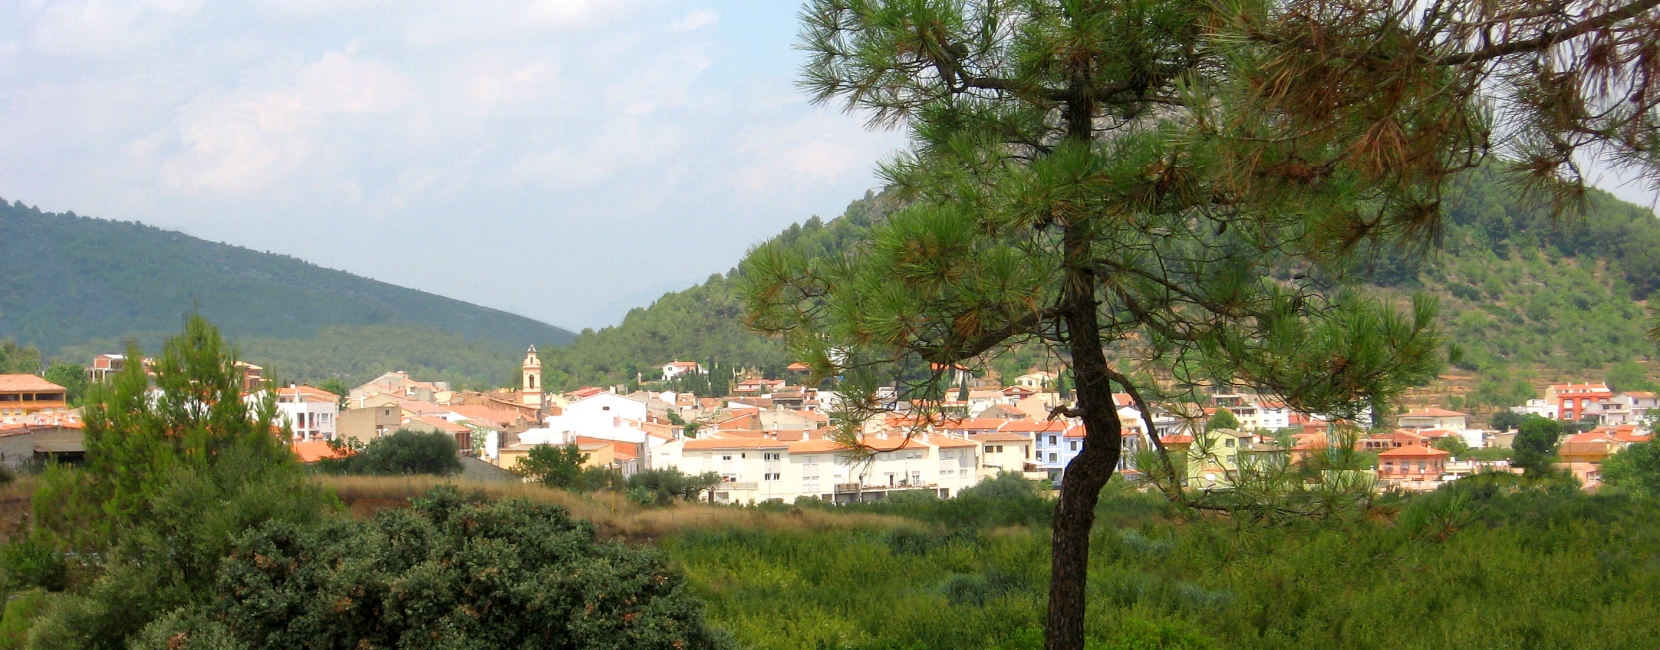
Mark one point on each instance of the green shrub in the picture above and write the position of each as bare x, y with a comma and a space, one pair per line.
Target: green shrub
21, 611
401, 453
29, 563
447, 572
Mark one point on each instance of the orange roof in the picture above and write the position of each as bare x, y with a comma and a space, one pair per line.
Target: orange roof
892, 443
14, 383
1078, 431
1413, 451
444, 425
948, 441
815, 445
1183, 439
734, 443
973, 424
1033, 426
308, 393
313, 451
797, 367
1432, 412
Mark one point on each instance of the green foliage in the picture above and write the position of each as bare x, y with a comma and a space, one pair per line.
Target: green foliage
1506, 420
1454, 445
71, 377
1637, 468
27, 562
662, 486
20, 613
1525, 564
18, 360
446, 573
1628, 376
400, 453
1222, 419
94, 279
556, 466
704, 322
171, 477
1534, 448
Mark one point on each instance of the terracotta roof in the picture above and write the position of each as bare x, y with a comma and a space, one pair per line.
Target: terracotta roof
734, 443
308, 393
444, 425
1432, 412
12, 383
1033, 426
313, 451
797, 367
1183, 439
973, 424
815, 446
948, 441
1413, 451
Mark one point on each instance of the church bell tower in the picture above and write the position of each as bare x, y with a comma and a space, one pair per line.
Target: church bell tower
530, 388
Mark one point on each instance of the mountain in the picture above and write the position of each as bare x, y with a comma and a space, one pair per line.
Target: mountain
84, 282
1527, 297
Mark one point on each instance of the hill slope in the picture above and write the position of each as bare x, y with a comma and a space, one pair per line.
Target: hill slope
1528, 297
71, 279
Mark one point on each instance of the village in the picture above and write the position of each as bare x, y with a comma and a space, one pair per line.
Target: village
772, 438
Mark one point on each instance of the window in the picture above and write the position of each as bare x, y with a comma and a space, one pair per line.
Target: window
604, 408
1227, 442
1053, 457
1051, 441
726, 457
1072, 445
1422, 466
770, 476
771, 455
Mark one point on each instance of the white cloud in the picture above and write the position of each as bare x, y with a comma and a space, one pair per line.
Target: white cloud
694, 21
104, 28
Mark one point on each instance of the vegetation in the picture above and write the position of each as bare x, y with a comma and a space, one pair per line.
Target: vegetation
661, 487
400, 453
555, 466
1534, 448
1636, 469
1522, 565
96, 280
1222, 419
191, 525
447, 573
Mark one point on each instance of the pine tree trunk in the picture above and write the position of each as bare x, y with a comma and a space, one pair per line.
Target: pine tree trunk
1093, 466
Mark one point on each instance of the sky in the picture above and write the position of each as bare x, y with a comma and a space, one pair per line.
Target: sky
561, 159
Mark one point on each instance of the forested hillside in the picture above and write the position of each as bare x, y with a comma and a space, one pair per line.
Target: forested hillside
1525, 296
703, 323
76, 286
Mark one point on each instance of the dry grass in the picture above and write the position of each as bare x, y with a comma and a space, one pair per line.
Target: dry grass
615, 516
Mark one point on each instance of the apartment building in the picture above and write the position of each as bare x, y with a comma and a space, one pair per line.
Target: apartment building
312, 413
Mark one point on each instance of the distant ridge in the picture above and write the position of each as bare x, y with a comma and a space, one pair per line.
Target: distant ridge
67, 279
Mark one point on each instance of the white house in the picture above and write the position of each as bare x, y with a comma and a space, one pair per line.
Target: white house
676, 368
1036, 380
1273, 416
767, 469
310, 412
1539, 407
1432, 418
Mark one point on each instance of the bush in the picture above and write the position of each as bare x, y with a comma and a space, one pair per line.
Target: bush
445, 573
29, 563
404, 452
665, 485
555, 466
21, 611
1637, 468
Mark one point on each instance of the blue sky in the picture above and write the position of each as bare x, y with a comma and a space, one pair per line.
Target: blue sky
562, 159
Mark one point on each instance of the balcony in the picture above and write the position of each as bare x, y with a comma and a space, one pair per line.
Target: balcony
739, 485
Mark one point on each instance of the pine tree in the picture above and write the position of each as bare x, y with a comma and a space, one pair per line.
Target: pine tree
1094, 171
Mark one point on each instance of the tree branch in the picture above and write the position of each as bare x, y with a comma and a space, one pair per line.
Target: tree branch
1549, 39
